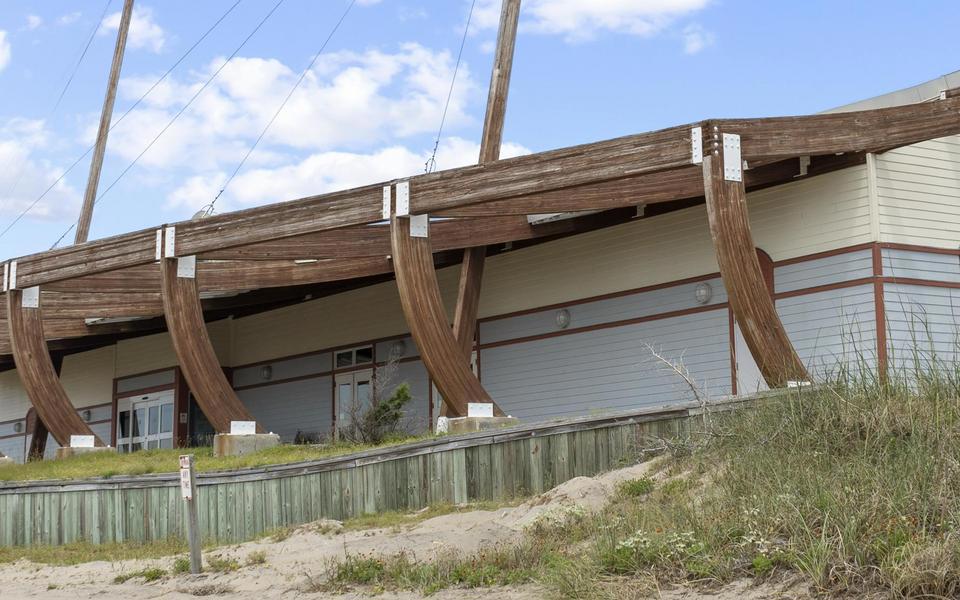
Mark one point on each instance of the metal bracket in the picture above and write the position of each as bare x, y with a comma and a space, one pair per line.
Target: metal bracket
732, 161
159, 245
696, 145
170, 242
387, 197
420, 226
943, 94
403, 198
187, 267
6, 275
13, 275
804, 166
31, 297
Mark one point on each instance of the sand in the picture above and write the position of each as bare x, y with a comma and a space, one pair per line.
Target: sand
303, 557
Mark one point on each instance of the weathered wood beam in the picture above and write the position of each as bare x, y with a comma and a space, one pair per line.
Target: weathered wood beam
37, 372
194, 350
427, 319
752, 305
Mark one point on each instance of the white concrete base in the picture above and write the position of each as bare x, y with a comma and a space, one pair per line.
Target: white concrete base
472, 424
228, 444
6, 460
64, 452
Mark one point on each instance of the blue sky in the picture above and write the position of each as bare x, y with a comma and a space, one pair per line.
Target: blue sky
369, 109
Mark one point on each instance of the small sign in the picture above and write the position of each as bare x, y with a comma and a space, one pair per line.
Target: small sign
243, 427
82, 441
186, 477
480, 409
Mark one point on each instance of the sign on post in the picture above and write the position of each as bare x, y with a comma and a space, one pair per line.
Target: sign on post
187, 490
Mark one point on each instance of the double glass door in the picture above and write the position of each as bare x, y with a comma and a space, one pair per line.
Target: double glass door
145, 422
354, 395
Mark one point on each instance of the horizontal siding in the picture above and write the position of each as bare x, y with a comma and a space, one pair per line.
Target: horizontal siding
150, 380
416, 416
284, 369
13, 447
911, 264
620, 308
289, 408
384, 351
822, 271
918, 189
609, 369
14, 402
922, 325
832, 329
88, 377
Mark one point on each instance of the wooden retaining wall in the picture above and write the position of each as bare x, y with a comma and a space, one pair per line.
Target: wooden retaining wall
240, 505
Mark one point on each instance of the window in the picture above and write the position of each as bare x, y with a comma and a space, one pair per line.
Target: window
354, 357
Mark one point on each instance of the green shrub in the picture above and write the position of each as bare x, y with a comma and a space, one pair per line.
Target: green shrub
636, 487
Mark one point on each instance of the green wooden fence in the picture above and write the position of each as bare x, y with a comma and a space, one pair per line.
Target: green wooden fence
240, 505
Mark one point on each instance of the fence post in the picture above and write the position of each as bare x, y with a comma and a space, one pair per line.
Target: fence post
187, 490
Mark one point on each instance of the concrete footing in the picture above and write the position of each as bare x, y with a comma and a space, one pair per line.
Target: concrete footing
65, 452
228, 444
472, 424
6, 460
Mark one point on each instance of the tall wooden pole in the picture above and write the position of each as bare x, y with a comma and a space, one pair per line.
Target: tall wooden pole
471, 270
93, 181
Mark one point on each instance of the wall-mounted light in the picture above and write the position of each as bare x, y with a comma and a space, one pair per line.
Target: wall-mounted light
87, 415
563, 318
703, 292
18, 427
266, 372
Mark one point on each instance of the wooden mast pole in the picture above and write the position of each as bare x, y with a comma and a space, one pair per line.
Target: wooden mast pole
471, 270
96, 165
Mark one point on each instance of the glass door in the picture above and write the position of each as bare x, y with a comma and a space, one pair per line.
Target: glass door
145, 422
354, 395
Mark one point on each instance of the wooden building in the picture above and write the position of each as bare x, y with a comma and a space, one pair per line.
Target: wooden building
756, 252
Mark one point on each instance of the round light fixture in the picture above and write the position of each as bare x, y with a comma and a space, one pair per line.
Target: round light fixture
87, 415
563, 318
266, 372
703, 292
18, 426
398, 349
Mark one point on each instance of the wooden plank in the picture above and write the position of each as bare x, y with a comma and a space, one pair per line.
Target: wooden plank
427, 319
194, 350
747, 293
38, 375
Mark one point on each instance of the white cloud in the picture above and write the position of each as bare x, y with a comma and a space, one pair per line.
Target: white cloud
579, 20
696, 38
144, 31
4, 50
323, 172
349, 101
34, 21
70, 18
23, 178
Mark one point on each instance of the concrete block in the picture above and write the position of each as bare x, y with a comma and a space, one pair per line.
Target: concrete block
6, 460
228, 444
472, 424
65, 452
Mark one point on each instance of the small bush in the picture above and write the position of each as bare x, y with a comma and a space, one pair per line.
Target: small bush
181, 565
257, 558
217, 564
148, 575
636, 487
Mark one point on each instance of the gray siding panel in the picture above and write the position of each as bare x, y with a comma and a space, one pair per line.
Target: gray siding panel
284, 369
609, 369
140, 382
12, 447
384, 348
297, 406
910, 264
417, 413
832, 328
923, 324
620, 308
823, 271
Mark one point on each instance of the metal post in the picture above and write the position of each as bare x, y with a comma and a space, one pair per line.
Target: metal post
187, 490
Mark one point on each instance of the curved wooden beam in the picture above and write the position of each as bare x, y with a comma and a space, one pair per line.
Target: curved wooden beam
191, 343
38, 375
743, 278
427, 319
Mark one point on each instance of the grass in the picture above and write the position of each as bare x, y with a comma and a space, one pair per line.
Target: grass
108, 464
83, 552
855, 486
148, 575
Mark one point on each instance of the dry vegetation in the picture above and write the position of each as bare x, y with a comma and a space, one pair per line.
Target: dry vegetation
855, 487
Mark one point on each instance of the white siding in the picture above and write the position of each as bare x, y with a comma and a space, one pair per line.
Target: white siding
14, 402
88, 377
918, 190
